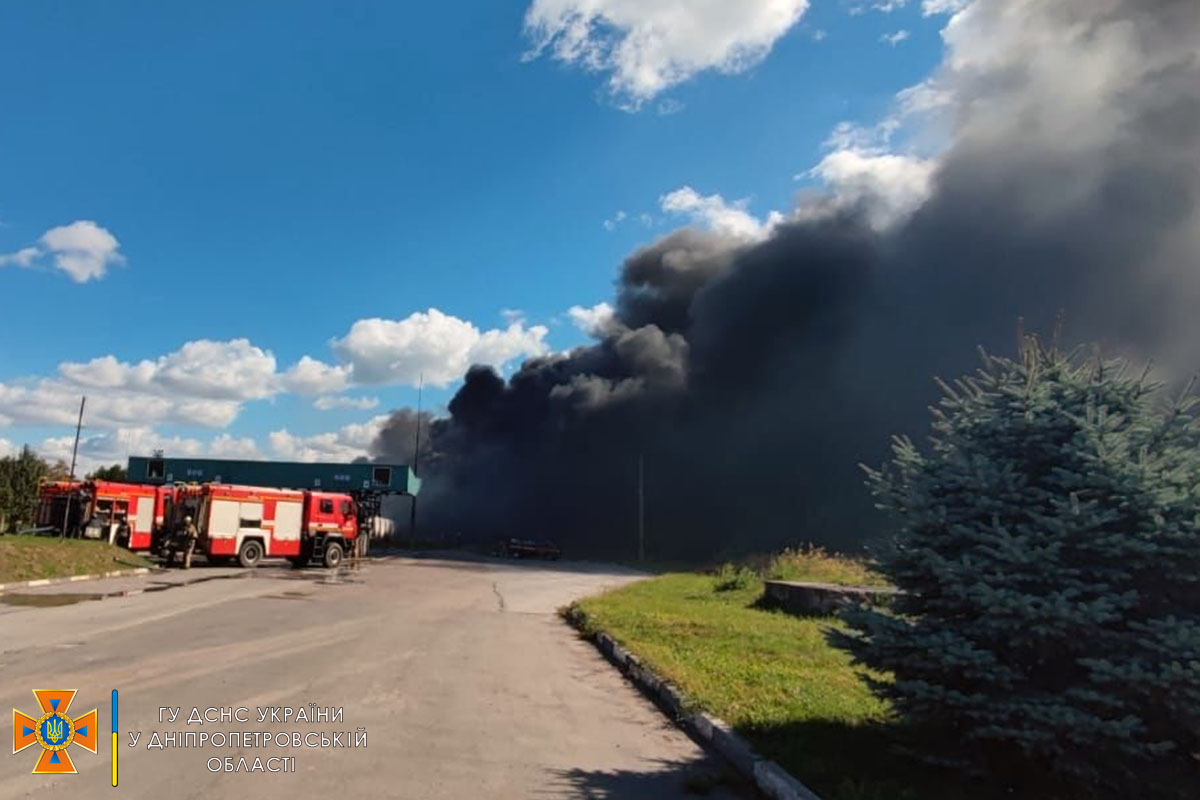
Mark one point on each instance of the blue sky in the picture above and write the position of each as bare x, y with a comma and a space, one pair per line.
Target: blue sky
281, 172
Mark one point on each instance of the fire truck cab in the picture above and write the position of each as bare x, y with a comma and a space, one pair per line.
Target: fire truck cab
250, 523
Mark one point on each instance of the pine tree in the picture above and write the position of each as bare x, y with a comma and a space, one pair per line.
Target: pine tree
1049, 549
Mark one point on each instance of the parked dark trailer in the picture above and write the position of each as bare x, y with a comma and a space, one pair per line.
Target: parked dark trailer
529, 548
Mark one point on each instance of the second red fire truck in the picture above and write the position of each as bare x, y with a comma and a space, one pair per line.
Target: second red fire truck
249, 523
242, 523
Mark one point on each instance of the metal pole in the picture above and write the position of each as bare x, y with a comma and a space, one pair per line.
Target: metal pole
74, 454
641, 508
78, 428
412, 508
412, 520
417, 443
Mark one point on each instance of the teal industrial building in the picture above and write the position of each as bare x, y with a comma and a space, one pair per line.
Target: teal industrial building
356, 478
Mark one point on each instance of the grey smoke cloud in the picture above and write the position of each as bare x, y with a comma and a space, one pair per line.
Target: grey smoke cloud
755, 376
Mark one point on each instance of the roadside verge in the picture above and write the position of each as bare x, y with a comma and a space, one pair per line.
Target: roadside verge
120, 573
770, 778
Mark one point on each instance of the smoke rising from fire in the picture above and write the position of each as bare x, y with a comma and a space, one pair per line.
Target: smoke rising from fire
753, 377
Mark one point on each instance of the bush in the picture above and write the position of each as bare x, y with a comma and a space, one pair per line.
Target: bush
815, 564
731, 578
20, 476
1049, 548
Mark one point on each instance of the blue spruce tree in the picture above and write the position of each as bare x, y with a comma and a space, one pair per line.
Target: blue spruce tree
1049, 548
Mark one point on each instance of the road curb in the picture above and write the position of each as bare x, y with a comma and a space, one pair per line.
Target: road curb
770, 778
120, 573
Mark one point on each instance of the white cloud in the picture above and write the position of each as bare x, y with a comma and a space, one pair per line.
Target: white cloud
924, 101
668, 106
226, 446
888, 187
859, 7
232, 370
894, 38
496, 348
207, 382
106, 372
922, 98
330, 402
209, 413
439, 346
50, 401
617, 219
83, 250
309, 376
202, 383
715, 213
648, 46
115, 446
22, 258
931, 7
863, 169
7, 448
592, 321
849, 136
345, 444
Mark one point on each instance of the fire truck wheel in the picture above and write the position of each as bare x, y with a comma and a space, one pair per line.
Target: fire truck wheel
333, 554
251, 553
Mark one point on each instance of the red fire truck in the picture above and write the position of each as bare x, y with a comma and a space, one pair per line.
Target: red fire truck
58, 502
128, 514
250, 523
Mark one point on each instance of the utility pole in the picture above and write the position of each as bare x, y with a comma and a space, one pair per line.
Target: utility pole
417, 443
412, 506
641, 508
74, 454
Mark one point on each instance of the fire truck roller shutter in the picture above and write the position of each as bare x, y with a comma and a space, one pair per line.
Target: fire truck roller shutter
142, 523
223, 526
285, 538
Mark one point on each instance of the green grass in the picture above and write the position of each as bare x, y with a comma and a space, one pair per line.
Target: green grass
774, 678
26, 558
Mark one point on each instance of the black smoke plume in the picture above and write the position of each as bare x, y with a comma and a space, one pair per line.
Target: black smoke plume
753, 377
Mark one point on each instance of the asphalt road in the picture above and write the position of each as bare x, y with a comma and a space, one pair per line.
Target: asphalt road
466, 682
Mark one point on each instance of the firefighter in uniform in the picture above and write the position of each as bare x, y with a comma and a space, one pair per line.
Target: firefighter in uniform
183, 538
189, 530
